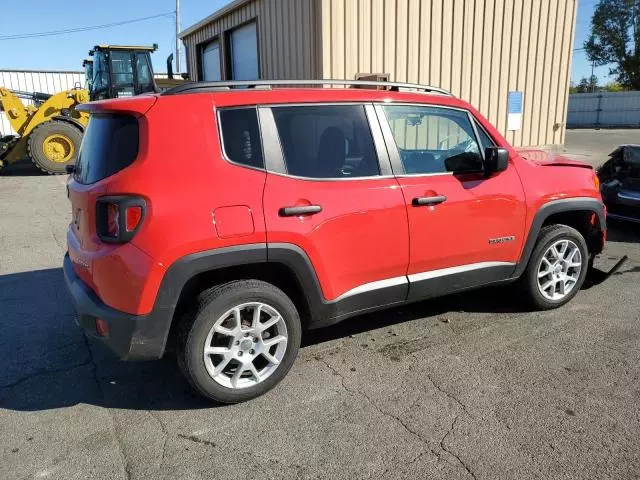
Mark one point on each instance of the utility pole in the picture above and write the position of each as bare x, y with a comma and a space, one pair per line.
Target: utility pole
177, 39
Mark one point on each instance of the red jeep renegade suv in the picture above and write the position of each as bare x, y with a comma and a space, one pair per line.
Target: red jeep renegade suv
226, 220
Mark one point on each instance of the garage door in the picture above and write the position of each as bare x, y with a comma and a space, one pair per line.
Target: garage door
244, 53
211, 62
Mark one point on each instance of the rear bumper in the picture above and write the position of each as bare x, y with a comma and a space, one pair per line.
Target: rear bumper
130, 337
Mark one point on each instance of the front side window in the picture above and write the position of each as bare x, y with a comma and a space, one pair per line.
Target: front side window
485, 139
433, 140
321, 141
143, 70
100, 72
241, 136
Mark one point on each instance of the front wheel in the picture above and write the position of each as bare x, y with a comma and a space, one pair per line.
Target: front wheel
240, 340
53, 145
557, 267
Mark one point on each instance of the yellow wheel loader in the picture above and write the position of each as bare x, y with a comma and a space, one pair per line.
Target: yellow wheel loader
50, 132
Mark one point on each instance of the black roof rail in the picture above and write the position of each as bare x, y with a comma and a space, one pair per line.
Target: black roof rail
196, 87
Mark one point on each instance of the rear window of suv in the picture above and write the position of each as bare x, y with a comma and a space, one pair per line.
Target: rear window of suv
110, 144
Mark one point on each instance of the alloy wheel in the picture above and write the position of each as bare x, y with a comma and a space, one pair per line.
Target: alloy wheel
559, 270
245, 345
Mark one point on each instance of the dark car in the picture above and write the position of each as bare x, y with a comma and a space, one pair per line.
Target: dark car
620, 183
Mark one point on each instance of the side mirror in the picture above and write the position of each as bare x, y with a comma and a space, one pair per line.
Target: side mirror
496, 159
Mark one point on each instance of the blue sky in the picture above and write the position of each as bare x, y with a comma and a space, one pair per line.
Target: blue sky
65, 52
581, 66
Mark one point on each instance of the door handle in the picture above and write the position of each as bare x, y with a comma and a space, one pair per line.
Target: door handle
299, 210
426, 201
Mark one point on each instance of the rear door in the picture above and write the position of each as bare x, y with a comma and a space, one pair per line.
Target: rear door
465, 229
110, 144
331, 193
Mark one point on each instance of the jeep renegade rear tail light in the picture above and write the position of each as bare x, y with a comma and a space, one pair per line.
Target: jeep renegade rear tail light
119, 217
113, 220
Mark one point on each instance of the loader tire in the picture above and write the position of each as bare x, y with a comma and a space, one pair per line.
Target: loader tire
53, 145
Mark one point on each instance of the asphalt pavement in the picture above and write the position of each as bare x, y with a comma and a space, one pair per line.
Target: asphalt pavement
468, 386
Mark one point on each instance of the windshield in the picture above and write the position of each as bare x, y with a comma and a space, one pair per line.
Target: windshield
122, 73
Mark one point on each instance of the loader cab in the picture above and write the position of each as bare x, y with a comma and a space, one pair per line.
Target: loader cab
87, 66
121, 71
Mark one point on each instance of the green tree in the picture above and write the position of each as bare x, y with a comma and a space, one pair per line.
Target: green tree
586, 85
615, 40
613, 87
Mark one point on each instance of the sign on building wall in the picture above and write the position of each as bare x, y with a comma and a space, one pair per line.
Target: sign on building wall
514, 111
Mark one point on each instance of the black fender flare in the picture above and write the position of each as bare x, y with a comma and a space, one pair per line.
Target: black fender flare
545, 211
177, 276
321, 311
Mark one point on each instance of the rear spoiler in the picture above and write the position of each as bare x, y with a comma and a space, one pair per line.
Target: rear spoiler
137, 106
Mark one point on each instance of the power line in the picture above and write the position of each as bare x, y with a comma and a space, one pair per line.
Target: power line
82, 29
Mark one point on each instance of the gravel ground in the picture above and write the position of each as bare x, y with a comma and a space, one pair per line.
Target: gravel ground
468, 386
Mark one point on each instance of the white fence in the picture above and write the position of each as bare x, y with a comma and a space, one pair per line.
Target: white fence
36, 81
604, 109
40, 81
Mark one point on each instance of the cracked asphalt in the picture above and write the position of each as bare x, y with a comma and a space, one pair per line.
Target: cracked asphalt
468, 386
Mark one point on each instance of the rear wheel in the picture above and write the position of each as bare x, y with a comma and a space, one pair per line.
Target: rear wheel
53, 145
557, 267
240, 340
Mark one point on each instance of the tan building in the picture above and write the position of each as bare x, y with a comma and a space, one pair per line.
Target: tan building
481, 50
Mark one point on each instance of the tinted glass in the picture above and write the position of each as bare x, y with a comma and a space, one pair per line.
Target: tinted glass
100, 72
110, 144
326, 141
122, 73
433, 140
241, 136
143, 70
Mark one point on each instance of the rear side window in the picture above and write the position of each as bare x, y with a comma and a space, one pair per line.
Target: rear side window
241, 136
326, 141
110, 144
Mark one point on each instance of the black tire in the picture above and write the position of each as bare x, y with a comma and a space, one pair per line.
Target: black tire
529, 281
210, 306
69, 135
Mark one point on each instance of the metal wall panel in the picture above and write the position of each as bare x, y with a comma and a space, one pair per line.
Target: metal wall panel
478, 49
606, 109
288, 40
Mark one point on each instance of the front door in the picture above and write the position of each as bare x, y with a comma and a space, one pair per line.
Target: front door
332, 201
465, 229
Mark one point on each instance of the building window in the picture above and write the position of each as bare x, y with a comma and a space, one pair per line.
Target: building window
210, 58
244, 52
241, 136
326, 141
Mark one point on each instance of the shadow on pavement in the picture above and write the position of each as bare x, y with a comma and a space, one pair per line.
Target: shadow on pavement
47, 363
621, 231
22, 168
